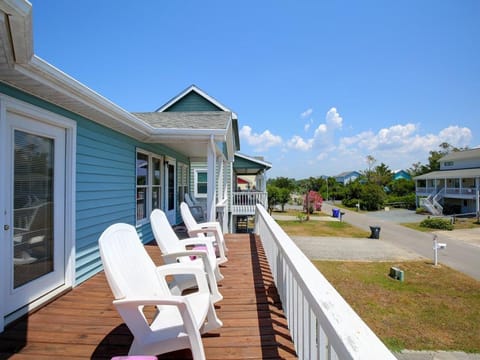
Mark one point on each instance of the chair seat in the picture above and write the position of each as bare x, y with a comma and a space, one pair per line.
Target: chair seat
170, 321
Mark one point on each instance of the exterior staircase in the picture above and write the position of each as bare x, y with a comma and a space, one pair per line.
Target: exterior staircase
432, 203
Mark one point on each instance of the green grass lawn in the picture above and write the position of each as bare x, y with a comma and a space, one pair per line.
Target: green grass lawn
321, 228
435, 308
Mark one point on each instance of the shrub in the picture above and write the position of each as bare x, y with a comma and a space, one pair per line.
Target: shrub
301, 217
372, 197
406, 201
350, 202
437, 223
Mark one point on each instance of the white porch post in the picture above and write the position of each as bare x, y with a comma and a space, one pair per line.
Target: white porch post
477, 186
211, 179
220, 182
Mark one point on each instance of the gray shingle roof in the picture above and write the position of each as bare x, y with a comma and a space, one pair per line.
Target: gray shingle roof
187, 120
450, 174
460, 155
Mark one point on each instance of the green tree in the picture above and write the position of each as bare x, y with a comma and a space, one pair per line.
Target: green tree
382, 175
305, 185
283, 197
372, 197
402, 187
273, 196
282, 182
370, 161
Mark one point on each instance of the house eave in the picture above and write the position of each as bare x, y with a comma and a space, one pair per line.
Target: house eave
166, 135
111, 115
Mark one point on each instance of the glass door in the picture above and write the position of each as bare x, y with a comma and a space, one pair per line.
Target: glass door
35, 207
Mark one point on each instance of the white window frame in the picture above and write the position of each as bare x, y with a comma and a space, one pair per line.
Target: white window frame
195, 183
149, 186
182, 181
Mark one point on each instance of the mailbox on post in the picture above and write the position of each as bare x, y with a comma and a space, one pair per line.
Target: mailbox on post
437, 246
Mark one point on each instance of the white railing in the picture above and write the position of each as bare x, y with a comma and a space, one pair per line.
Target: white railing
222, 215
322, 324
244, 202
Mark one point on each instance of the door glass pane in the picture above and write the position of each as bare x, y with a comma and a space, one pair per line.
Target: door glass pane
171, 187
156, 171
32, 207
156, 197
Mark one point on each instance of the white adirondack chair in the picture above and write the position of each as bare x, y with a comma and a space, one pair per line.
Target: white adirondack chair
198, 211
175, 250
200, 229
136, 282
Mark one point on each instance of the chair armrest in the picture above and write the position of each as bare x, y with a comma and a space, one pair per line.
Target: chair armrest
164, 300
184, 269
131, 310
198, 207
213, 227
200, 231
209, 224
207, 241
171, 258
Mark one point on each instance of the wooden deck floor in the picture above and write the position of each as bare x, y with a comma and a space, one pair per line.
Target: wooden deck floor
83, 323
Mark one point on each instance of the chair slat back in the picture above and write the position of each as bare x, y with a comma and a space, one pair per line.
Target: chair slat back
187, 217
129, 269
164, 234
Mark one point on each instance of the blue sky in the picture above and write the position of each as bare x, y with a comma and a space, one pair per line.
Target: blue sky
317, 85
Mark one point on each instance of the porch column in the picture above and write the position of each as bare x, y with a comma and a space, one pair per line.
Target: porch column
477, 192
220, 183
222, 178
211, 179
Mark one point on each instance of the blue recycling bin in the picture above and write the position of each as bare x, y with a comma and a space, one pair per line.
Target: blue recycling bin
336, 213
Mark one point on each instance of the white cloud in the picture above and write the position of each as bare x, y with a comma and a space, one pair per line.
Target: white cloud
405, 139
399, 146
260, 142
321, 129
456, 136
306, 113
298, 143
333, 118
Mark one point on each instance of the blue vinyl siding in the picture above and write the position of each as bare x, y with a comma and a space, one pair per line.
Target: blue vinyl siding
105, 189
105, 182
193, 102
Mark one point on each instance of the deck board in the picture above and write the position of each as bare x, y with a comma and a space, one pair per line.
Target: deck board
84, 324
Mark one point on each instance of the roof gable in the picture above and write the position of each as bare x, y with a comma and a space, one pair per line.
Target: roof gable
192, 102
193, 99
249, 164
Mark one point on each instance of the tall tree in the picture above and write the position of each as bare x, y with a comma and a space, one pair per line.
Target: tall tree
382, 175
370, 161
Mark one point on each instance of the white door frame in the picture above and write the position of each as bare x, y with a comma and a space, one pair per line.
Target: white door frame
171, 213
33, 113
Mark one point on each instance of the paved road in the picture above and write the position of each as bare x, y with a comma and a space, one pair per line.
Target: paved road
462, 252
